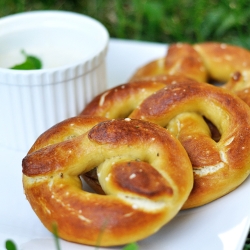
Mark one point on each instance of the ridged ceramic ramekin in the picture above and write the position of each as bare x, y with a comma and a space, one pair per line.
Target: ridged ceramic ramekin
72, 48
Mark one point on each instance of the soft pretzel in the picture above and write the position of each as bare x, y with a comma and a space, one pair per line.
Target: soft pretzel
146, 184
202, 62
219, 167
120, 101
205, 62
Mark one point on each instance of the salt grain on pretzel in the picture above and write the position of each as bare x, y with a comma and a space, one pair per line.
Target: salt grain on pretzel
144, 171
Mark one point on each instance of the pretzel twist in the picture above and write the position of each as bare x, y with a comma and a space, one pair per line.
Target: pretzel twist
219, 167
146, 185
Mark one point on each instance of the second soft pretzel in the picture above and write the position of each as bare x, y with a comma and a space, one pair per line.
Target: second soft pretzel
219, 167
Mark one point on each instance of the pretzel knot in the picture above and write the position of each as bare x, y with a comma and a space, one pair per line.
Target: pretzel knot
218, 166
144, 171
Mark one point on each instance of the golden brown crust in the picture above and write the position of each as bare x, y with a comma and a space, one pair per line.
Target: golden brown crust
219, 167
146, 185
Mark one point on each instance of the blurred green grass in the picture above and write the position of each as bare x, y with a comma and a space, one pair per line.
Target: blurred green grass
156, 20
166, 21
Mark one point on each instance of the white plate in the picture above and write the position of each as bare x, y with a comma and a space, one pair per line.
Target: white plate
222, 224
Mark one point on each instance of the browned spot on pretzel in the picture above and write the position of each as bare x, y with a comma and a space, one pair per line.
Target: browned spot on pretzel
139, 177
145, 184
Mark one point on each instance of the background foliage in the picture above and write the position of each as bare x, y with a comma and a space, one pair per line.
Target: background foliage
165, 21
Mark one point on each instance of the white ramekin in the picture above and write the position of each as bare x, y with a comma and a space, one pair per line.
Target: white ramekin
72, 48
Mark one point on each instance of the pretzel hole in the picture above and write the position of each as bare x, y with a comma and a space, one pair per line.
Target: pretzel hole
90, 182
215, 134
215, 82
125, 112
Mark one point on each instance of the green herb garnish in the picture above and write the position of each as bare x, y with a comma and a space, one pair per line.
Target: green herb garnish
10, 245
131, 246
31, 62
